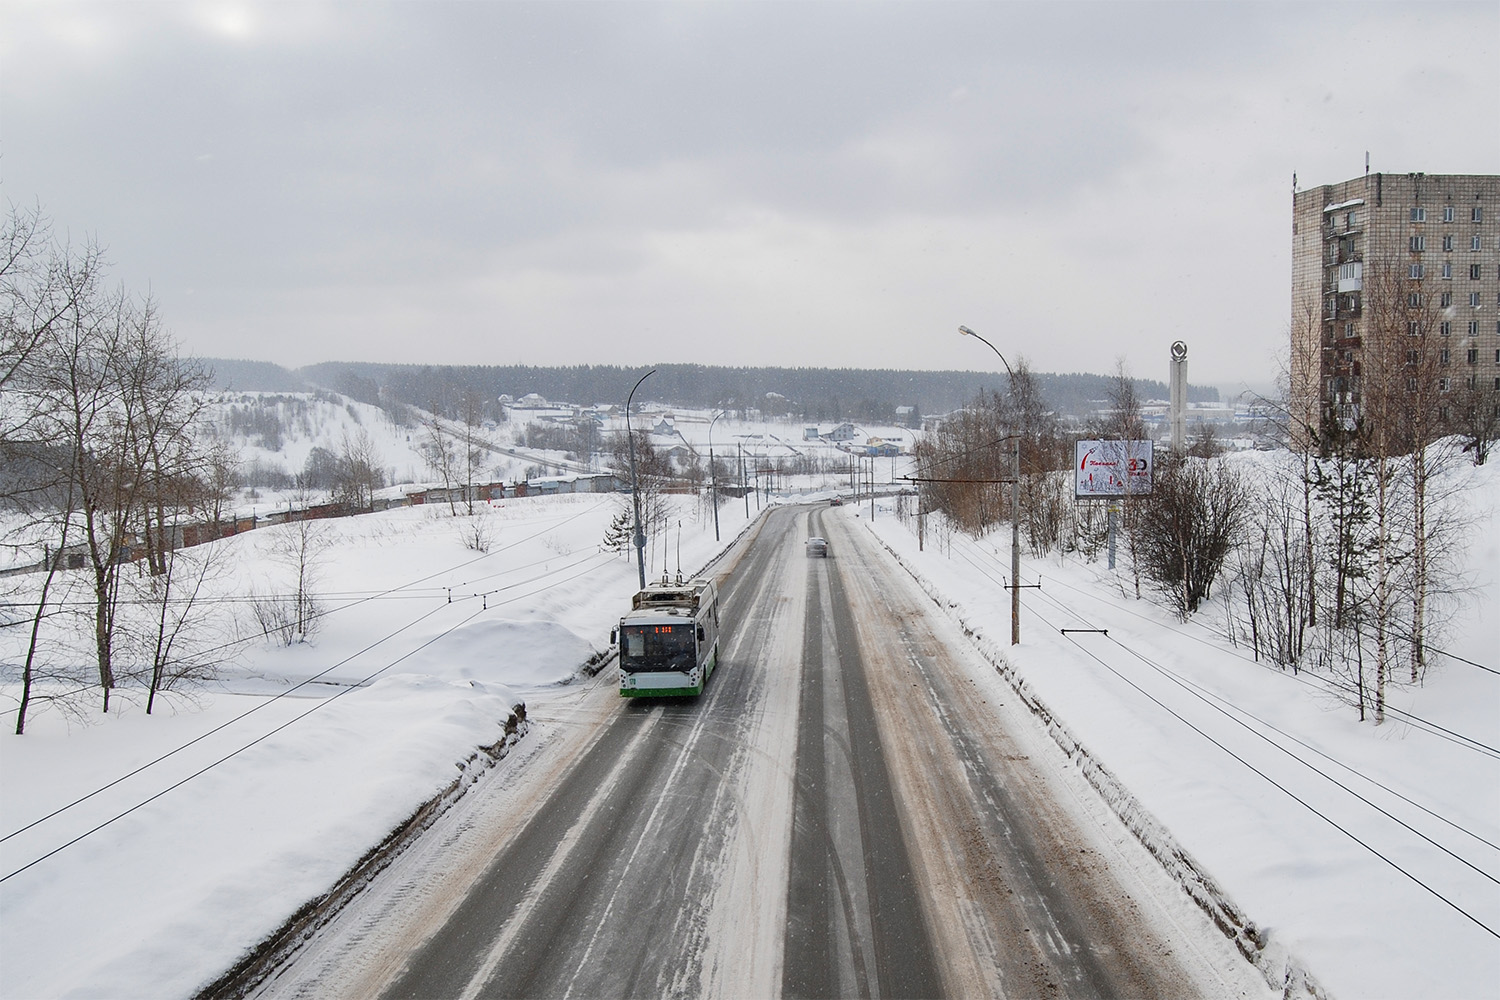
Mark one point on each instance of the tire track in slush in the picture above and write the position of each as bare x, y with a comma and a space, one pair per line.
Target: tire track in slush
852, 898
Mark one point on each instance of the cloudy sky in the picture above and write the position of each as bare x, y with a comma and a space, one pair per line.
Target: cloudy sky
813, 184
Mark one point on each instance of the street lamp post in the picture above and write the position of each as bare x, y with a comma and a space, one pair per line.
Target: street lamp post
1015, 504
635, 493
713, 473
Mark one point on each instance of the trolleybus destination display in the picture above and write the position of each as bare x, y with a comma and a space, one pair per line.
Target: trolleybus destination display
1112, 469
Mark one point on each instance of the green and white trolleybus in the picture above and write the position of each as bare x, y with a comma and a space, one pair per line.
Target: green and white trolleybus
669, 641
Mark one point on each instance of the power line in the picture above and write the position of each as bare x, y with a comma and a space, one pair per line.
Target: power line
315, 677
1201, 694
320, 705
1284, 790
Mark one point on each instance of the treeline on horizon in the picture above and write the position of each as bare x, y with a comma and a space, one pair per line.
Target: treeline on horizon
813, 394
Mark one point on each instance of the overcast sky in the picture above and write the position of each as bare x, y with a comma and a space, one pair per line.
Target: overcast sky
789, 184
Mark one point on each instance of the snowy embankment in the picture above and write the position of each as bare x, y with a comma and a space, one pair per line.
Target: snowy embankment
1368, 855
186, 837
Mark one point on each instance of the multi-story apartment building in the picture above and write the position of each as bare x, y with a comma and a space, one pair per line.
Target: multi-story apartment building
1395, 274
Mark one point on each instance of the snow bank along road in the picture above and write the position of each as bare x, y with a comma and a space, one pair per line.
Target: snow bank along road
856, 805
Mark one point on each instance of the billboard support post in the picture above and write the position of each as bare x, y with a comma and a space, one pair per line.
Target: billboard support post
1113, 509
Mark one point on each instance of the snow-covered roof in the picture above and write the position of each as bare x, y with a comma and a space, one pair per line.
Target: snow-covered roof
1343, 204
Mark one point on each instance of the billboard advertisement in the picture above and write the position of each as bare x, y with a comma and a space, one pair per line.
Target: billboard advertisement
1112, 468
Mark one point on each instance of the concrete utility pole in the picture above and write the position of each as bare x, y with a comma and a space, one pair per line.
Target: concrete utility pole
635, 492
713, 474
1015, 504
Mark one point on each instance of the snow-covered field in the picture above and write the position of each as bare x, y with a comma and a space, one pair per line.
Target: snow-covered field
165, 874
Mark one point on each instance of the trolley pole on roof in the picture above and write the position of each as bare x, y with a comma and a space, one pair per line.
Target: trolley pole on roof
1015, 505
635, 492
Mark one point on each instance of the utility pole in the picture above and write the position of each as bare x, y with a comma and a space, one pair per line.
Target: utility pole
1015, 505
1015, 547
713, 473
635, 492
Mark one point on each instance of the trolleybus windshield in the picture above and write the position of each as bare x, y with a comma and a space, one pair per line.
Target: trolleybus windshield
647, 648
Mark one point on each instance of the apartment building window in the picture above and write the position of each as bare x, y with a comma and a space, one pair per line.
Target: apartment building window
1443, 357
1419, 215
1411, 357
1417, 244
1447, 298
1473, 327
1414, 271
1473, 359
1469, 382
1447, 213
1448, 269
1349, 329
1445, 383
1448, 244
1474, 245
1351, 220
1474, 299
1445, 328
1476, 214
1473, 271
1414, 300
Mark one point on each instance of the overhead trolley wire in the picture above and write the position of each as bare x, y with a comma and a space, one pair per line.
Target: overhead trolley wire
1304, 678
315, 677
1202, 695
1301, 677
399, 588
259, 739
222, 726
1282, 788
1289, 753
234, 753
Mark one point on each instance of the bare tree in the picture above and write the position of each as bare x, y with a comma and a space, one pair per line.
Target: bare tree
299, 545
178, 641
94, 384
471, 414
358, 473
1187, 526
438, 449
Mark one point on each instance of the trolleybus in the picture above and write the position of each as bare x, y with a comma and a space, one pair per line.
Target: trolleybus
669, 640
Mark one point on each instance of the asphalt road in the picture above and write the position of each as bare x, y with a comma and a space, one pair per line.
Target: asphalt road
852, 808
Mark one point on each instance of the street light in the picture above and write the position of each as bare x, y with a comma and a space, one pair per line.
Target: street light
635, 493
965, 331
713, 473
1015, 504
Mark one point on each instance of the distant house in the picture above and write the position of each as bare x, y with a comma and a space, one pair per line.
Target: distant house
665, 428
843, 432
810, 434
531, 401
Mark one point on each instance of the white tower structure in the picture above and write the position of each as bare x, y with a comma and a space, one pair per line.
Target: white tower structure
1178, 382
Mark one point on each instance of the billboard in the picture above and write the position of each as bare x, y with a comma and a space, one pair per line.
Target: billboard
1112, 468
